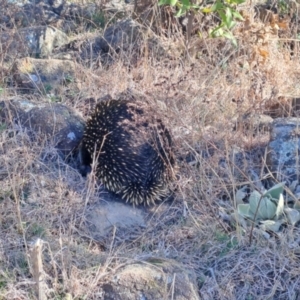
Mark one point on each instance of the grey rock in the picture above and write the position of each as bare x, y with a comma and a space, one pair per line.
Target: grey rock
28, 13
20, 15
149, 278
102, 217
283, 149
47, 75
121, 36
59, 13
38, 14
36, 41
58, 6
153, 278
18, 2
118, 38
61, 127
117, 6
126, 39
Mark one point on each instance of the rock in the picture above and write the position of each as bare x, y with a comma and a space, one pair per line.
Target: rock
59, 13
118, 38
154, 279
35, 14
58, 123
117, 6
254, 123
36, 41
21, 15
283, 149
46, 75
104, 216
58, 6
126, 39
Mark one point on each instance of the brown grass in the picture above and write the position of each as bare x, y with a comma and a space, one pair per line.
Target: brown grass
201, 96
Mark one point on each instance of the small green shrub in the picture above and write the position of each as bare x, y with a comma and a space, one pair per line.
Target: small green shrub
226, 10
99, 19
268, 209
3, 127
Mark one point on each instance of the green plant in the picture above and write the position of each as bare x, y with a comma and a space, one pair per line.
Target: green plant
2, 127
54, 98
36, 230
283, 7
99, 19
68, 79
22, 263
3, 283
226, 10
48, 88
268, 209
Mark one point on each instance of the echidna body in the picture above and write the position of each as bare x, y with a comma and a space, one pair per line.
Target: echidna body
132, 149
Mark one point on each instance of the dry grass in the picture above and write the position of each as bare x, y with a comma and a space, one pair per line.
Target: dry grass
42, 196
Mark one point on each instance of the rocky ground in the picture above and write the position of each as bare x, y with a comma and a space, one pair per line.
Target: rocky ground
233, 113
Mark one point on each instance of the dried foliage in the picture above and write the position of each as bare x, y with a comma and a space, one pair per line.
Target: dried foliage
202, 93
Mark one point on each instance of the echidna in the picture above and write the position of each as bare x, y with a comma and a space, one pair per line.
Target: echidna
132, 148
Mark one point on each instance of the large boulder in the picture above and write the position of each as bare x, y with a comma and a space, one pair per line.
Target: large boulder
57, 124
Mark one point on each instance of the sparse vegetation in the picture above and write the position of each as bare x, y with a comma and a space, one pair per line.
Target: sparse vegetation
268, 209
99, 19
223, 198
226, 11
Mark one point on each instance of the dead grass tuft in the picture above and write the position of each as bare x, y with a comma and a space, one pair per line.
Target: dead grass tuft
201, 95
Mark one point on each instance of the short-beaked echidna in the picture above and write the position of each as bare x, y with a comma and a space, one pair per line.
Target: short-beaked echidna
132, 149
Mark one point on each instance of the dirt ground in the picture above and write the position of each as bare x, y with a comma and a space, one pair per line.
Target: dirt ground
203, 93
